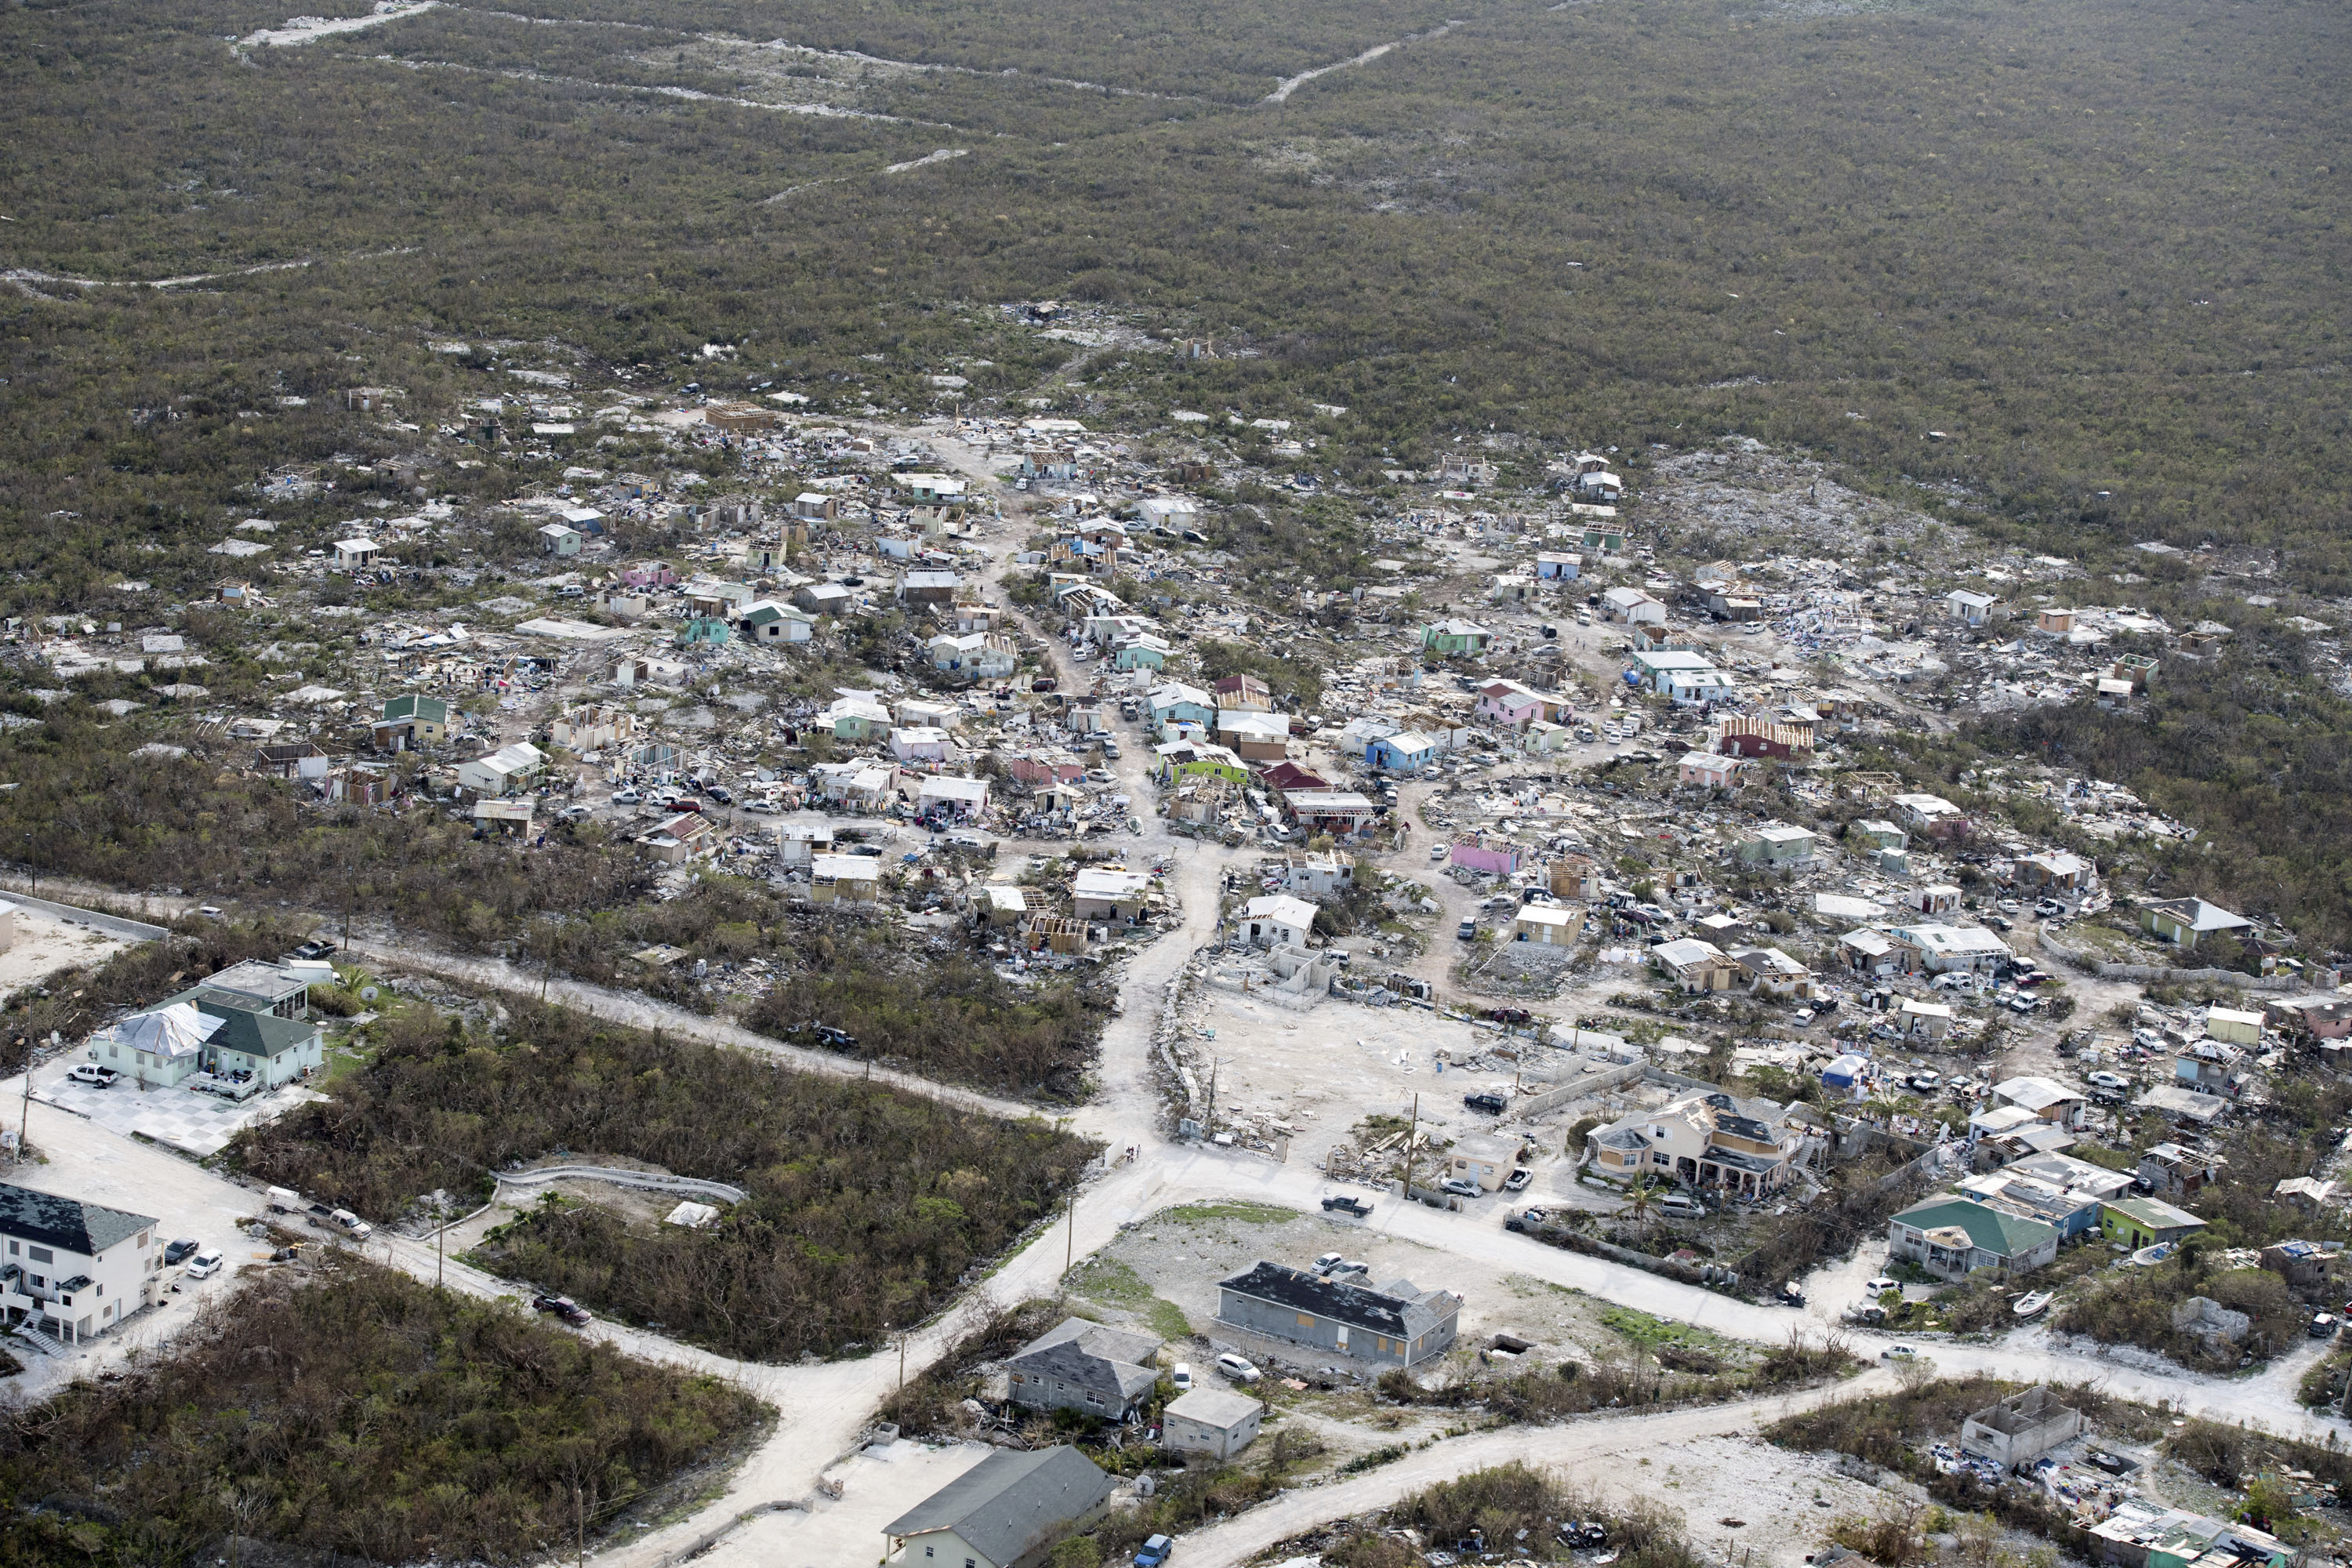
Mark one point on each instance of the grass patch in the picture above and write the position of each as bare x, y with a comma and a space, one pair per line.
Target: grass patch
1113, 1283
1241, 1210
353, 1411
1168, 1319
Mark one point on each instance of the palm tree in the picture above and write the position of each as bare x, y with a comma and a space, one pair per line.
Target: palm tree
1639, 1201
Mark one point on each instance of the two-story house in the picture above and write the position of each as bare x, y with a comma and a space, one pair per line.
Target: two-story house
75, 1270
1704, 1139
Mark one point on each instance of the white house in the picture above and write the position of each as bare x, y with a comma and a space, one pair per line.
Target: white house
952, 796
1633, 607
504, 771
558, 539
768, 621
74, 1268
351, 554
920, 745
1969, 606
797, 843
1277, 920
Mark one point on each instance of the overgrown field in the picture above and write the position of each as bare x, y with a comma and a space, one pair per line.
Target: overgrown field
354, 1412
866, 1206
2098, 248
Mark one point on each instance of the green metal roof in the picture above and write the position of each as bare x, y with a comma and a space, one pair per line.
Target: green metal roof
425, 709
1988, 1228
2154, 1212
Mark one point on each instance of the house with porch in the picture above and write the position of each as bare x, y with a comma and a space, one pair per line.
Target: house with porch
1952, 1238
1707, 1138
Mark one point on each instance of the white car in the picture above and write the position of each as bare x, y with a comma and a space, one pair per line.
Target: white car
1438, 851
1182, 1376
626, 797
1237, 1368
205, 1264
1328, 1262
92, 1072
1881, 1286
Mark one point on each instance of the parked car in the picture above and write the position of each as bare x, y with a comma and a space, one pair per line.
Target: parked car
1238, 1368
1461, 1188
1535, 1216
176, 1250
1488, 1103
1791, 1297
2106, 1080
563, 1307
1997, 924
1879, 1286
90, 1072
1897, 1353
1181, 1374
351, 1225
1110, 750
626, 796
719, 793
1440, 851
2323, 1326
1682, 1206
1517, 1182
1341, 1203
205, 1264
316, 948
1467, 931
1153, 1552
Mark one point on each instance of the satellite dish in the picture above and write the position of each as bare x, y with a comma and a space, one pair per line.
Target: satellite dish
367, 994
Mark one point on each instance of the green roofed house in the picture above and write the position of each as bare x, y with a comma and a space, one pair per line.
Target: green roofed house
411, 720
1006, 1511
1952, 1238
1455, 638
2144, 1222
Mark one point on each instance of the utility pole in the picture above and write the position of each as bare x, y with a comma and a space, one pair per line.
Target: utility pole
1070, 1246
25, 1118
579, 1505
902, 1361
440, 1239
1411, 1132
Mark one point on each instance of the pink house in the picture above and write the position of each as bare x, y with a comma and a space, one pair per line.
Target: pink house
653, 575
1501, 859
1042, 770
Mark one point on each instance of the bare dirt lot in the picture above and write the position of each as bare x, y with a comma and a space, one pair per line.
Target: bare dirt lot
45, 944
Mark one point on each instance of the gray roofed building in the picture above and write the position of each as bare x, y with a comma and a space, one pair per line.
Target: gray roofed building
67, 1223
1212, 1421
1007, 1511
1397, 1325
1085, 1366
285, 992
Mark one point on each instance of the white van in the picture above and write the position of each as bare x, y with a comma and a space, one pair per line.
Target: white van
1683, 1206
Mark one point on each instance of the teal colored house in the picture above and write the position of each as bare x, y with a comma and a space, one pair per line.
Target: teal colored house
1448, 638
703, 631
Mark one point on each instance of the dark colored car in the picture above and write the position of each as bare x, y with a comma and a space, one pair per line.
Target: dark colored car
1492, 1104
563, 1307
179, 1249
826, 1035
1346, 1204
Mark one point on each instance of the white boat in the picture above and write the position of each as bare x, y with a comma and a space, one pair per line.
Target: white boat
2032, 1306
